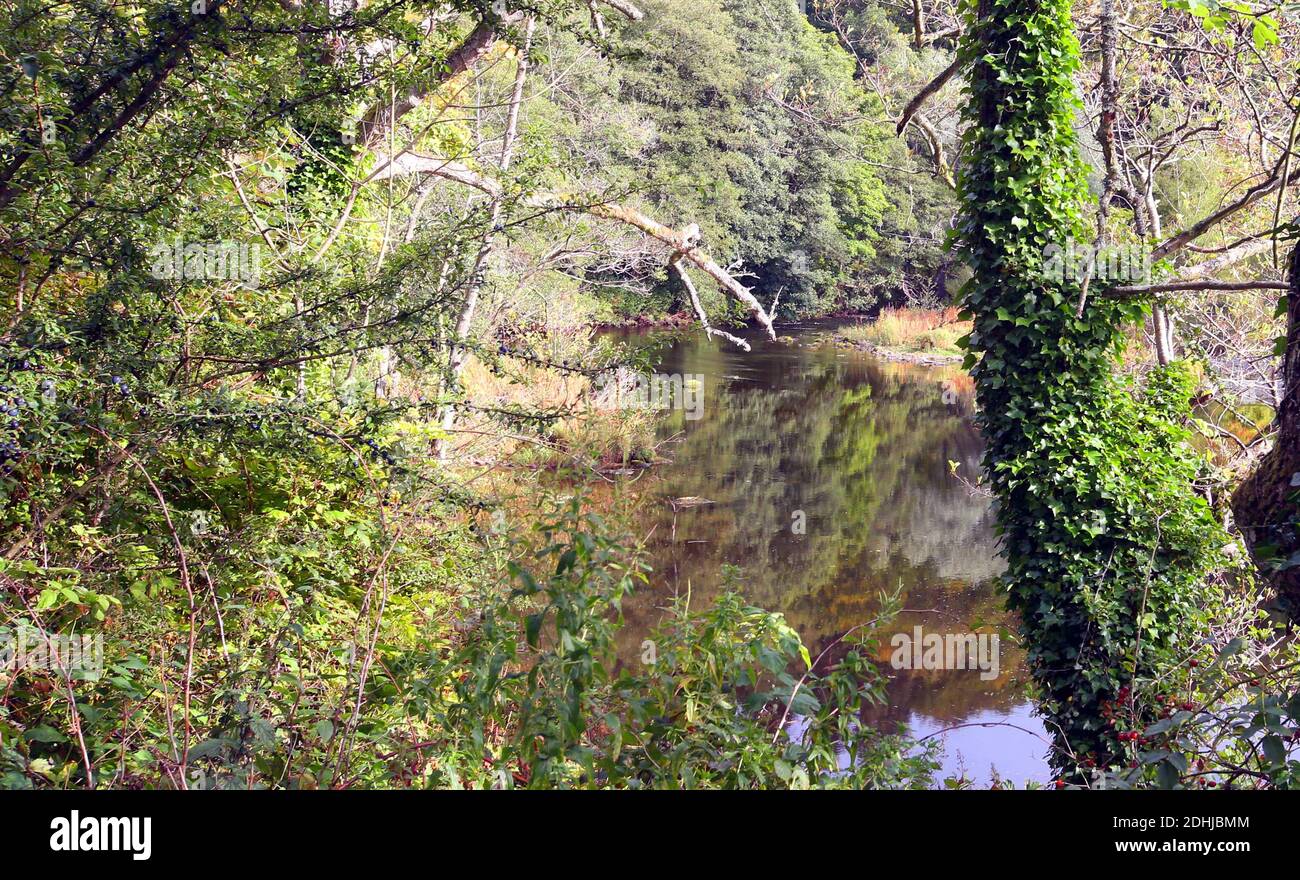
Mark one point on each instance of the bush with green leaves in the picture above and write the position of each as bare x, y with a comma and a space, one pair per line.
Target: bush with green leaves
326, 668
1228, 714
727, 697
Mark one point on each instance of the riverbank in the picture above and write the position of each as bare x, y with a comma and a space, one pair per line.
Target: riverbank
919, 336
675, 321
903, 357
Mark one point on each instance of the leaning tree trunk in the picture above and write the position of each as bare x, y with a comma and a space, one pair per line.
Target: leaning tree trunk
1267, 504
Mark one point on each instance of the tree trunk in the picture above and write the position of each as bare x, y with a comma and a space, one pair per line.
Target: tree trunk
1164, 333
1267, 504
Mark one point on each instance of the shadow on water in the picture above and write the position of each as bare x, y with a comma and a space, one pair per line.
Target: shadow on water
829, 477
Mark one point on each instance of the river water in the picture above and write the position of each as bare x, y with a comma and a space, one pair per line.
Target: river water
828, 479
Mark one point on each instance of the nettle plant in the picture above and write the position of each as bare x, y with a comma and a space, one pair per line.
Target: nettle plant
1106, 542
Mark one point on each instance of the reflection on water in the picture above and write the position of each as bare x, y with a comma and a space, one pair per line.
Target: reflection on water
830, 480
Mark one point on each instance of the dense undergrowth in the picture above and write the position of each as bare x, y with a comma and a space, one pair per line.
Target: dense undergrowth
302, 685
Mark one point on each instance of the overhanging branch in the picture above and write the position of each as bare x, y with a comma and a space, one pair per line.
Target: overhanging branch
682, 244
1177, 286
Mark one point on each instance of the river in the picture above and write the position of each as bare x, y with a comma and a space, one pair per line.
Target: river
826, 475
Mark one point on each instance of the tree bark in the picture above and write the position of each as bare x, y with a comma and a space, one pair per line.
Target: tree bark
374, 125
1267, 504
914, 105
1164, 333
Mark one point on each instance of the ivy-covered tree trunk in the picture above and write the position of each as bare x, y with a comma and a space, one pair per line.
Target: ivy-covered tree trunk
1267, 504
1104, 538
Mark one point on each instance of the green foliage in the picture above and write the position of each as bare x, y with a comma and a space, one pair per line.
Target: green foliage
724, 698
1228, 715
757, 129
910, 229
211, 470
1214, 16
1105, 540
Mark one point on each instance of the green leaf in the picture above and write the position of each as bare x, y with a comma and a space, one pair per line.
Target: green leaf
1273, 749
533, 627
45, 734
1229, 651
1264, 35
1167, 775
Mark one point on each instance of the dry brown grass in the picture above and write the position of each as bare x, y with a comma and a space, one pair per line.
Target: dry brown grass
595, 435
917, 330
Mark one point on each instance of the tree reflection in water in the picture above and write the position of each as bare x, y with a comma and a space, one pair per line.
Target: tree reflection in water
857, 452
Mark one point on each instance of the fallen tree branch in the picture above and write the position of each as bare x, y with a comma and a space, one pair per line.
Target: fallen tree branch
673, 239
680, 242
675, 264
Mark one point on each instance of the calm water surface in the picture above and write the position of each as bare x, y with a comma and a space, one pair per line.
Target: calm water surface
860, 451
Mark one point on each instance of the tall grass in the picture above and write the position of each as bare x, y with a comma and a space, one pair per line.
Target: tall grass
918, 330
584, 434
